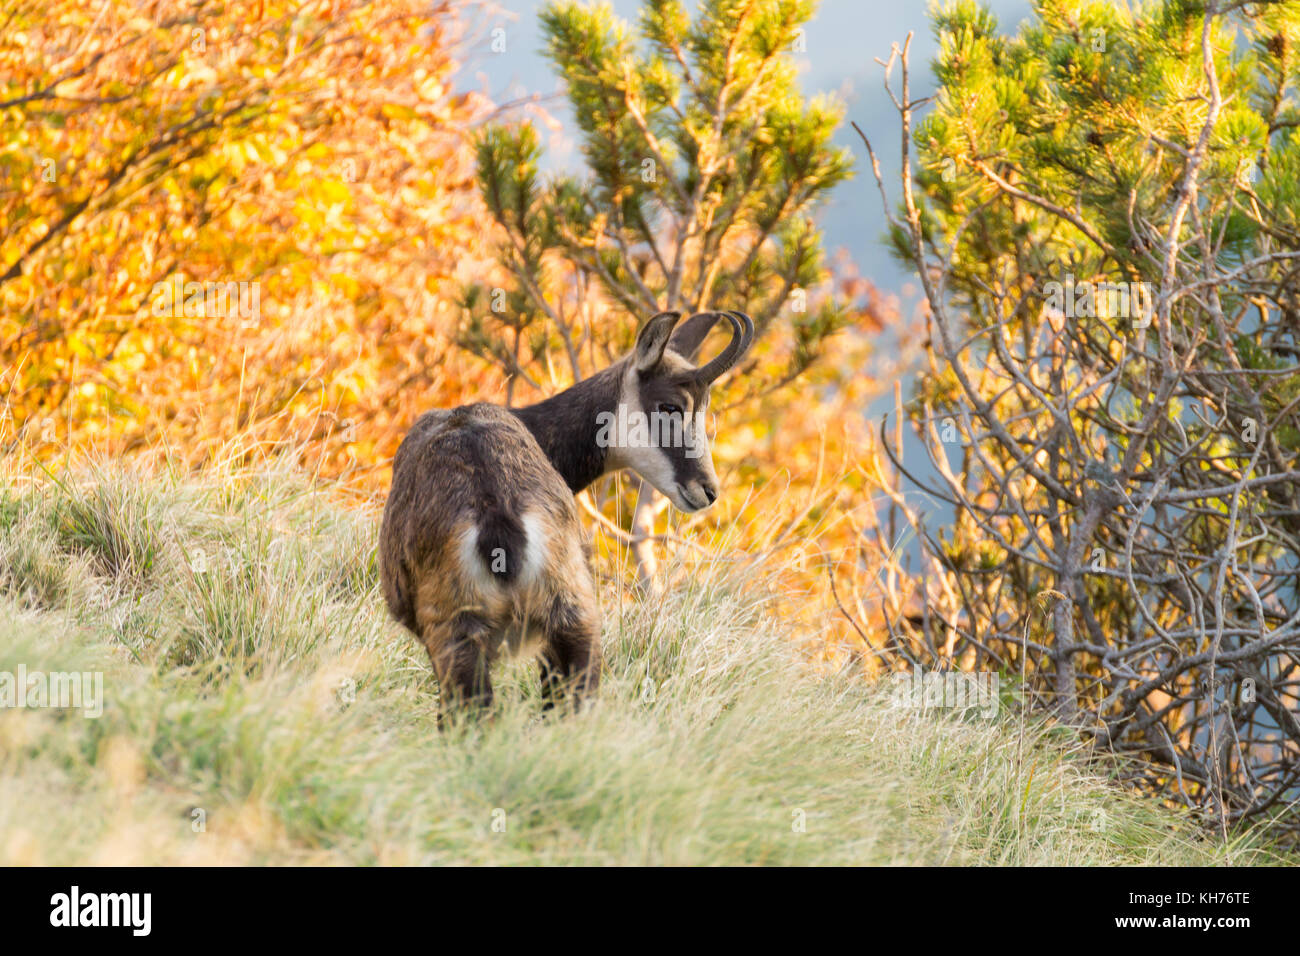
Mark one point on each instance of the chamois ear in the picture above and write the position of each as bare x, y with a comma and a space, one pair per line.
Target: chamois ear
690, 335
653, 339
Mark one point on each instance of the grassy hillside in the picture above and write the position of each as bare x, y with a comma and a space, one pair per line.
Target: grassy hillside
251, 674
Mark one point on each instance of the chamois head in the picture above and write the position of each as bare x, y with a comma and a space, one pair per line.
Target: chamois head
663, 400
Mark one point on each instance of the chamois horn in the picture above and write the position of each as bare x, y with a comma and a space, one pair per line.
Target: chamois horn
742, 336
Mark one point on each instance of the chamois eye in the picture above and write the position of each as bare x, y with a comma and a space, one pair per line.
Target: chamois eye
668, 409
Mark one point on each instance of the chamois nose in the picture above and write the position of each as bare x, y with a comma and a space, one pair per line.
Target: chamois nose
710, 492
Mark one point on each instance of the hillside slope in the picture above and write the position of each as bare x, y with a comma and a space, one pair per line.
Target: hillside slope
261, 708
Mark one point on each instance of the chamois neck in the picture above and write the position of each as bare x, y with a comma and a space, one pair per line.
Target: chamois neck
566, 424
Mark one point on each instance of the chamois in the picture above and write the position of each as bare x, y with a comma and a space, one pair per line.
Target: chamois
481, 545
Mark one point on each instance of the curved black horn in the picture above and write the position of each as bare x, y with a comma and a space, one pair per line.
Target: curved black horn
742, 336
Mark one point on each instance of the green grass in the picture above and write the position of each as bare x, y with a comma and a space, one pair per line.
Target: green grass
255, 685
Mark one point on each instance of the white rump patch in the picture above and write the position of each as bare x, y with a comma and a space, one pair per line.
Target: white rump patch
533, 558
534, 547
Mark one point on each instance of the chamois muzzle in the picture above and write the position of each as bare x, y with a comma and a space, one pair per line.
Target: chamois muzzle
742, 336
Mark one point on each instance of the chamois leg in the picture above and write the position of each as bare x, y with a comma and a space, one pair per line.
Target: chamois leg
460, 661
570, 660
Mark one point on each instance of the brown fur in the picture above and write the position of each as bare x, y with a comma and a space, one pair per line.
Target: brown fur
481, 545
454, 473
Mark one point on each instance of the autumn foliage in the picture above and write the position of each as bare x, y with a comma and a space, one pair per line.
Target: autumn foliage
236, 231
307, 158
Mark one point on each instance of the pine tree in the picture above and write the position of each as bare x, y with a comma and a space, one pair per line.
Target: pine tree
1104, 215
703, 164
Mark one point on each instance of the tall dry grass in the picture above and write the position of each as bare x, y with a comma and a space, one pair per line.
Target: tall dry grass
261, 708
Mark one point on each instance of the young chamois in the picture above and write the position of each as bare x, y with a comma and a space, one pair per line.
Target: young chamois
480, 544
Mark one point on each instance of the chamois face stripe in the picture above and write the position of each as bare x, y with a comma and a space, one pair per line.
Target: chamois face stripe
671, 451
